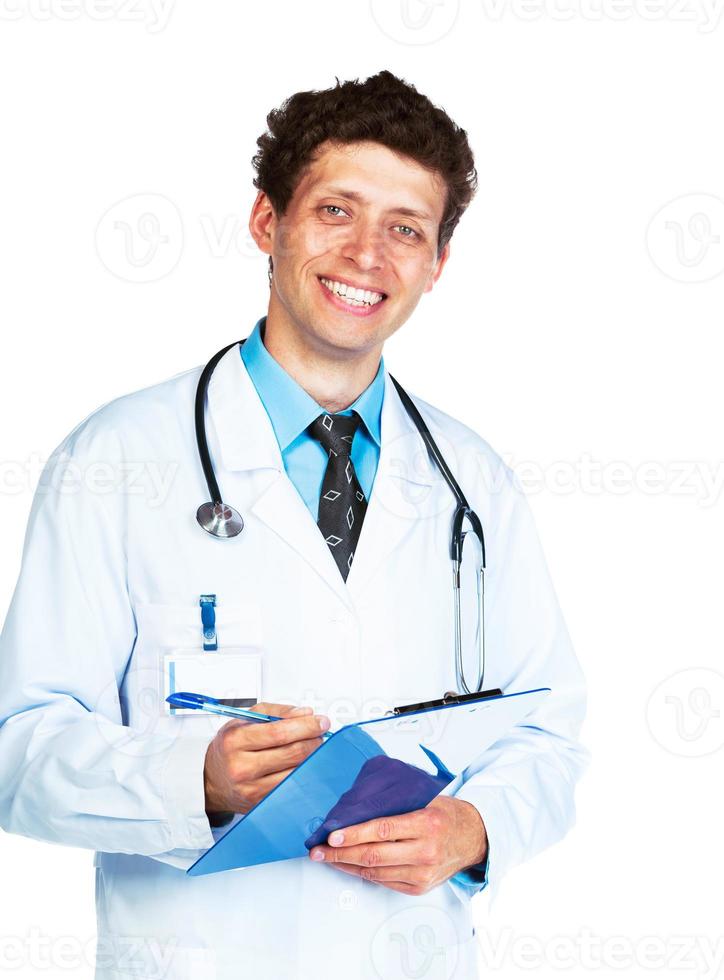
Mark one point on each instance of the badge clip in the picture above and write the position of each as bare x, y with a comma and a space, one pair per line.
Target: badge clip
208, 621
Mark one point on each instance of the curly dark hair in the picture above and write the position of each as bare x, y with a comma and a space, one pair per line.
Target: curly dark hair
384, 108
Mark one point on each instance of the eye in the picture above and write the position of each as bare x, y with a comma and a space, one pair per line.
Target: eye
335, 207
414, 233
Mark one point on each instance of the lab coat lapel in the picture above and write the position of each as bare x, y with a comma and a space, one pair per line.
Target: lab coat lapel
406, 489
241, 438
284, 511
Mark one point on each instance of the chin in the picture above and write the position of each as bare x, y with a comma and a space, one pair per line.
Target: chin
351, 338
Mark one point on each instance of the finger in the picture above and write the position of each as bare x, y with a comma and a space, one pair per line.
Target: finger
268, 708
253, 736
376, 854
400, 877
278, 733
264, 761
402, 826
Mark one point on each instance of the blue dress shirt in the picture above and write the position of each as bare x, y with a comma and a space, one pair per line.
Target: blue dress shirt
291, 409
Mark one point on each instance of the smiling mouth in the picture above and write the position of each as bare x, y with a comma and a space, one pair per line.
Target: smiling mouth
352, 295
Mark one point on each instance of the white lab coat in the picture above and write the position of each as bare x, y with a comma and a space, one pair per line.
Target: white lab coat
113, 566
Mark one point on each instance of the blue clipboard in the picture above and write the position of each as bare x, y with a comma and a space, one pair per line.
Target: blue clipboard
442, 739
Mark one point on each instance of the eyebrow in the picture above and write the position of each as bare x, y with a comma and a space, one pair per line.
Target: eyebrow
360, 199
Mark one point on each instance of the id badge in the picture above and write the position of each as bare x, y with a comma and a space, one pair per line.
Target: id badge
232, 675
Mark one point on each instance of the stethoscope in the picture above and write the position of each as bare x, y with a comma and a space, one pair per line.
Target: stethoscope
223, 521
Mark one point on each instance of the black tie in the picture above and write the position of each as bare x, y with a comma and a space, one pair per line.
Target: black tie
342, 504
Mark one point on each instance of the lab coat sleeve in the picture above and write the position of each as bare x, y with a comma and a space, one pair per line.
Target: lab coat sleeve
71, 770
523, 785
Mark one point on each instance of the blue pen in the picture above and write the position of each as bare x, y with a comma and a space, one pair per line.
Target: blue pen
204, 702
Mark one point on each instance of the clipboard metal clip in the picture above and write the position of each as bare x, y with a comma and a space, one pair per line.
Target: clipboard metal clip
450, 697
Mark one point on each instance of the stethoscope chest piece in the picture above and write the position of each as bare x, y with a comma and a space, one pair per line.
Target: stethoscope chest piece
220, 520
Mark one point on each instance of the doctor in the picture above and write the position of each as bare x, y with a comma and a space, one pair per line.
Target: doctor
359, 188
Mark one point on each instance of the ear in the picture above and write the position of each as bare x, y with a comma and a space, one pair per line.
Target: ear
437, 269
263, 223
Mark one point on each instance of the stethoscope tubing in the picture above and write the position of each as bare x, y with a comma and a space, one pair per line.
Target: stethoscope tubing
457, 537
199, 411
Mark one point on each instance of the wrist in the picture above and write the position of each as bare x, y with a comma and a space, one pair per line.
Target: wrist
214, 803
478, 852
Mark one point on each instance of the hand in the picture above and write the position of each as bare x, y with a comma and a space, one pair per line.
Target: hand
246, 759
384, 787
412, 852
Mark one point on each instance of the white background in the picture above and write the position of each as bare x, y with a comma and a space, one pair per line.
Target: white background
577, 327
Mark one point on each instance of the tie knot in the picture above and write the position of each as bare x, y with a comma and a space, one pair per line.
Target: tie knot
336, 432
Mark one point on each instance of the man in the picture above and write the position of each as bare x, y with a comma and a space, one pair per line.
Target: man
346, 612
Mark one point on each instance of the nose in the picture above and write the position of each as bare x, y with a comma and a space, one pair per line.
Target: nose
365, 246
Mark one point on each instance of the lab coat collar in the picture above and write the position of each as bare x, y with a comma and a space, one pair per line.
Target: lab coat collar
405, 487
246, 440
245, 437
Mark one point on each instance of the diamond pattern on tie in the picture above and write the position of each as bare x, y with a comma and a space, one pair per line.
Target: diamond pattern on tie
342, 503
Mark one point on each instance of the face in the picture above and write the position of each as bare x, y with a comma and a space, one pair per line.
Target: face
362, 218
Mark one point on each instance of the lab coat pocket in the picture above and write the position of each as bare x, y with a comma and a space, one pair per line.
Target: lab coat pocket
165, 630
150, 958
179, 624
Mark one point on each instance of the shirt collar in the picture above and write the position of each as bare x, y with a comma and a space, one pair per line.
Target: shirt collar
290, 408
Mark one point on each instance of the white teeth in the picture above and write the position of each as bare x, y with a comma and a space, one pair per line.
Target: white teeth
352, 295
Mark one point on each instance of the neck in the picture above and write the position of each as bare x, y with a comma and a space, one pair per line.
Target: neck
333, 379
